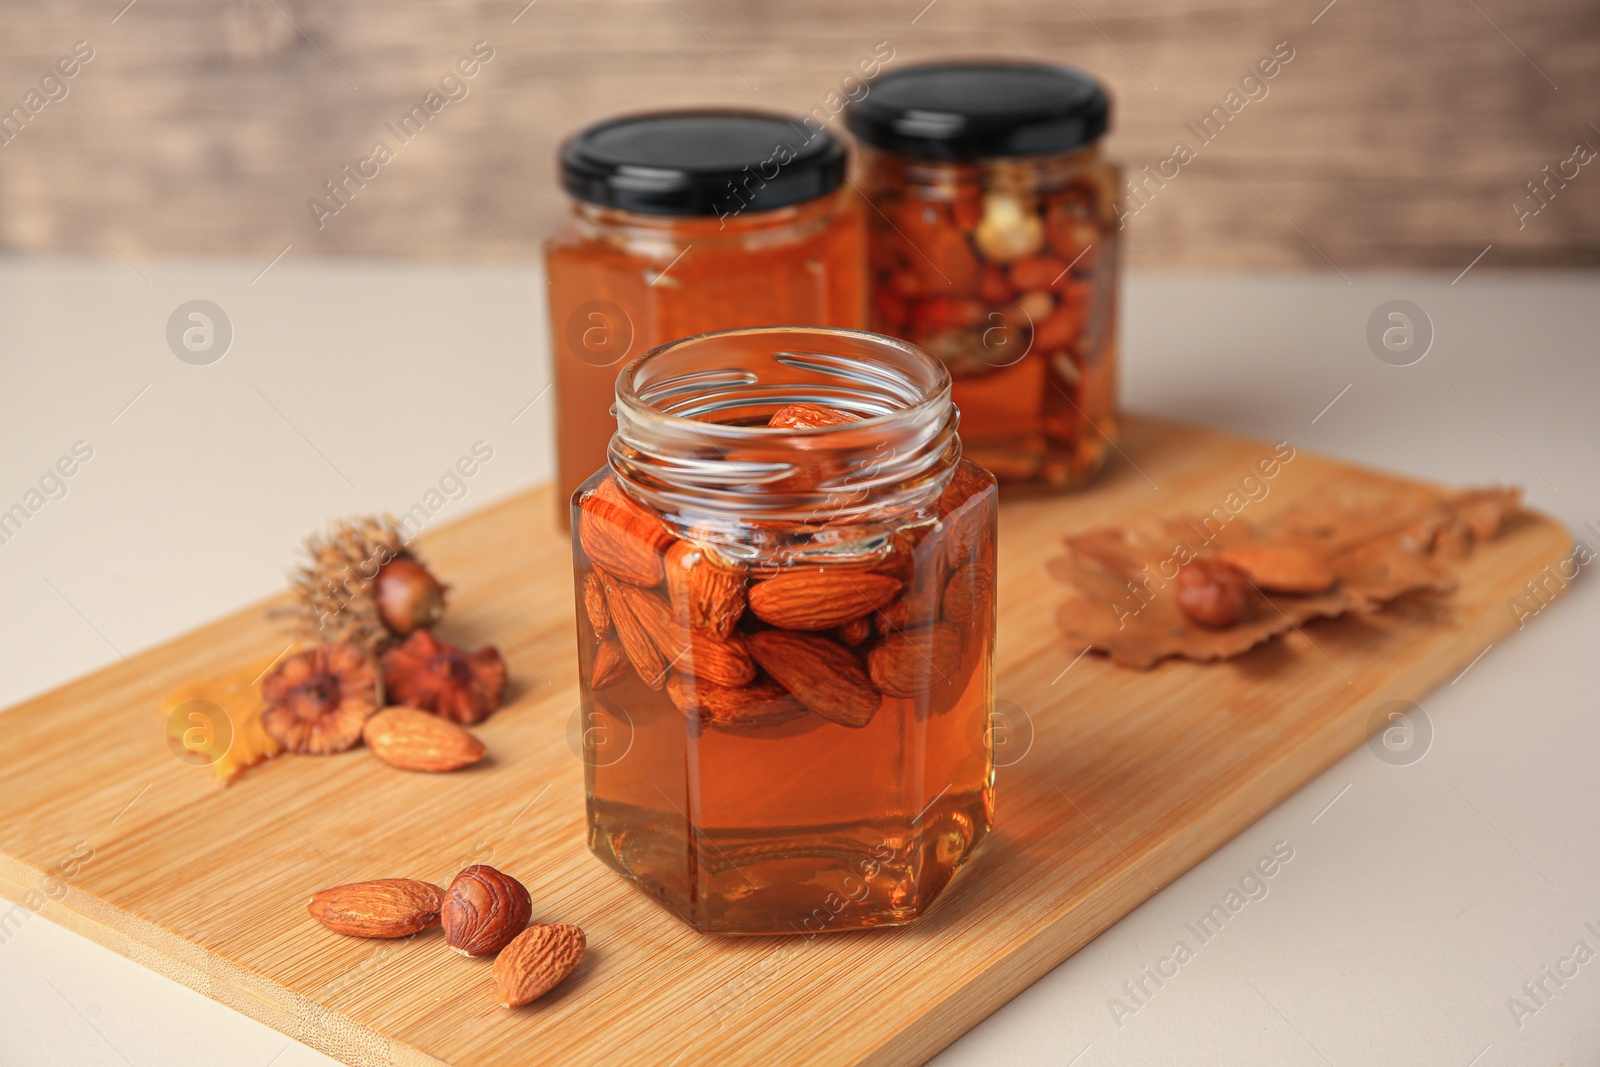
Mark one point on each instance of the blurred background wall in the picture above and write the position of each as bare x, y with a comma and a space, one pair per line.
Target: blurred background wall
1399, 133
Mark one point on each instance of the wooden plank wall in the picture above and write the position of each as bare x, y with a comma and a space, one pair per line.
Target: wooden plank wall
1399, 135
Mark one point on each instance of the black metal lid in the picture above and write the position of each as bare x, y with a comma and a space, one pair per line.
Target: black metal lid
979, 109
701, 162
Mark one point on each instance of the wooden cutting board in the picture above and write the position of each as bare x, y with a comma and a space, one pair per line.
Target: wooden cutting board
1130, 779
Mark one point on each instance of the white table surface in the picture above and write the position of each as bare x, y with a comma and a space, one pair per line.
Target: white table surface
1419, 900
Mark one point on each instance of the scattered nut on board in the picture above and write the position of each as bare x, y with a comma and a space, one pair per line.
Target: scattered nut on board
387, 907
484, 912
535, 962
484, 909
416, 740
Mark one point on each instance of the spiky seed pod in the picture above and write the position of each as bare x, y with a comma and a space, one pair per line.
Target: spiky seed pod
359, 584
319, 700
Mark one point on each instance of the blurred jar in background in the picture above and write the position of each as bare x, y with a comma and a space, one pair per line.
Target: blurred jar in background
685, 222
995, 247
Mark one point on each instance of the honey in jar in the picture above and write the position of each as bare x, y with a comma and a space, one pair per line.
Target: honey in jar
685, 222
785, 576
994, 245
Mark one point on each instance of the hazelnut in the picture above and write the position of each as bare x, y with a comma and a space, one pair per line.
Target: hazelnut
409, 598
1213, 593
484, 910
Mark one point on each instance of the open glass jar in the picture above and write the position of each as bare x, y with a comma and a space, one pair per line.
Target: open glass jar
786, 636
684, 222
995, 248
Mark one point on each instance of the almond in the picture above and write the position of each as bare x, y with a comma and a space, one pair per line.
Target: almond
620, 536
388, 907
855, 632
536, 962
696, 652
610, 663
824, 675
636, 641
758, 704
809, 417
911, 662
416, 740
1281, 568
484, 909
919, 604
820, 599
721, 662
709, 594
968, 595
964, 517
594, 604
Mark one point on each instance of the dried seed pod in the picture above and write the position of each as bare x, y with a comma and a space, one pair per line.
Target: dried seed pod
361, 585
318, 700
428, 674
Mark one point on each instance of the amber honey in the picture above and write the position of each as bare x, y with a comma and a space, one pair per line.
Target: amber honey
748, 223
994, 244
795, 738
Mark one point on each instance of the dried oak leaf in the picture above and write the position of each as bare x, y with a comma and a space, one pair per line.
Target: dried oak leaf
426, 673
318, 700
1379, 548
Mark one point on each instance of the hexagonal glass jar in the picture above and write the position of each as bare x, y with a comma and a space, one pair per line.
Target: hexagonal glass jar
995, 245
786, 632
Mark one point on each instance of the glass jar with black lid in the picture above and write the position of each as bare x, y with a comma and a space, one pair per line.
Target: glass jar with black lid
995, 247
684, 222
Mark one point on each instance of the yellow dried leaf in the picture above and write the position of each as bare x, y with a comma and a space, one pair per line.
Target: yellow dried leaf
238, 695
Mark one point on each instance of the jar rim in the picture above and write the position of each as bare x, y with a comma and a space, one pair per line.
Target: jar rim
936, 395
899, 453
